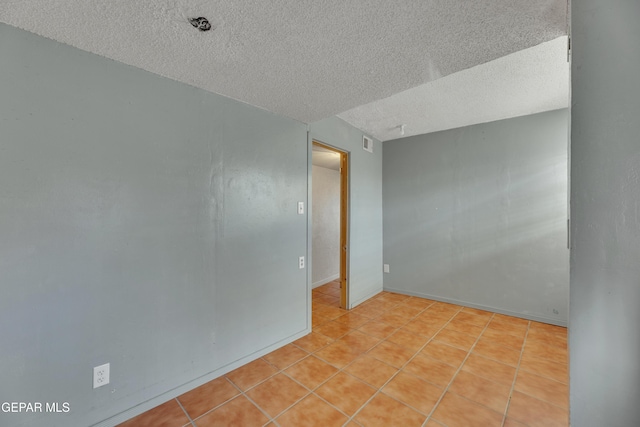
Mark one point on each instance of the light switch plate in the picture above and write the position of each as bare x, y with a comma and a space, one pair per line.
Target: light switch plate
300, 208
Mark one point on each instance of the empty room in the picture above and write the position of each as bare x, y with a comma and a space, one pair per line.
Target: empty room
293, 213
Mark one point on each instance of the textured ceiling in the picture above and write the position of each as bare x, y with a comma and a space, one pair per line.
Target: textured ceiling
526, 82
306, 59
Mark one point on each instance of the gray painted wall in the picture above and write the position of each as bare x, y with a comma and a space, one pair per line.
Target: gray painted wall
604, 339
325, 265
477, 216
143, 223
365, 187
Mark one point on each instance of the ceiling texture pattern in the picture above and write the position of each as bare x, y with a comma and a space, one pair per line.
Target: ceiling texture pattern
310, 60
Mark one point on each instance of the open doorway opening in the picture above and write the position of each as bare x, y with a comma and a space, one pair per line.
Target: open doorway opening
330, 215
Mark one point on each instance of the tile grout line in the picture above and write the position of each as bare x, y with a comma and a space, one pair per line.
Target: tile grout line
351, 418
242, 393
185, 412
457, 371
405, 364
392, 304
515, 378
343, 369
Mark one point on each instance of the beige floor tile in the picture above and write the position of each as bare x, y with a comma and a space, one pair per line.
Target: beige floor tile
371, 371
338, 354
536, 413
312, 342
391, 354
414, 392
377, 329
276, 394
542, 350
456, 411
312, 412
311, 372
285, 356
489, 369
408, 339
431, 370
352, 320
480, 390
251, 374
346, 392
545, 368
333, 329
543, 388
238, 412
359, 342
456, 339
464, 327
169, 414
206, 397
493, 351
384, 411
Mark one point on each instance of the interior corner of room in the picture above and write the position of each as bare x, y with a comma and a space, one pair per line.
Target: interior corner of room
177, 234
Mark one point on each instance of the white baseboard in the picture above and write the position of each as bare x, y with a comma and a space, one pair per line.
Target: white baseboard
526, 316
152, 403
325, 280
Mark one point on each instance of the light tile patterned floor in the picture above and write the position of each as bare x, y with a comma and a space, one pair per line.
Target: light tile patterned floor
394, 360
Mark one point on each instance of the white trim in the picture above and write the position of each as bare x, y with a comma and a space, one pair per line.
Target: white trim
171, 394
526, 316
325, 280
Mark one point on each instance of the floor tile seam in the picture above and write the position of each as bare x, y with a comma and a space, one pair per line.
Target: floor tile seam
318, 349
195, 420
499, 361
403, 403
515, 378
529, 371
291, 364
256, 384
446, 389
506, 332
243, 393
542, 400
185, 412
332, 405
538, 335
560, 348
335, 339
273, 419
553, 348
469, 400
547, 359
400, 370
313, 392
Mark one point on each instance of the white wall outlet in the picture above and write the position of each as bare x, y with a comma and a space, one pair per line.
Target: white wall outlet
300, 208
385, 268
301, 262
101, 375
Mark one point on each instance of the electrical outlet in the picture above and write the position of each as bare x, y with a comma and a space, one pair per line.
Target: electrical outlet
385, 268
101, 375
301, 262
300, 208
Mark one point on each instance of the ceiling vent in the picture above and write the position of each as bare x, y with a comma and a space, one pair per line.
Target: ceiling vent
367, 144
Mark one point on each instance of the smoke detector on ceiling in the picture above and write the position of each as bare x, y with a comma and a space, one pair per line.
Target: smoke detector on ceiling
200, 23
367, 144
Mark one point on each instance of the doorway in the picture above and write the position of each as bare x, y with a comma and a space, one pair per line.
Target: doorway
325, 160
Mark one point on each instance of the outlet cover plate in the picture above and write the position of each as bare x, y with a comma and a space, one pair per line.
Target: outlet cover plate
101, 375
